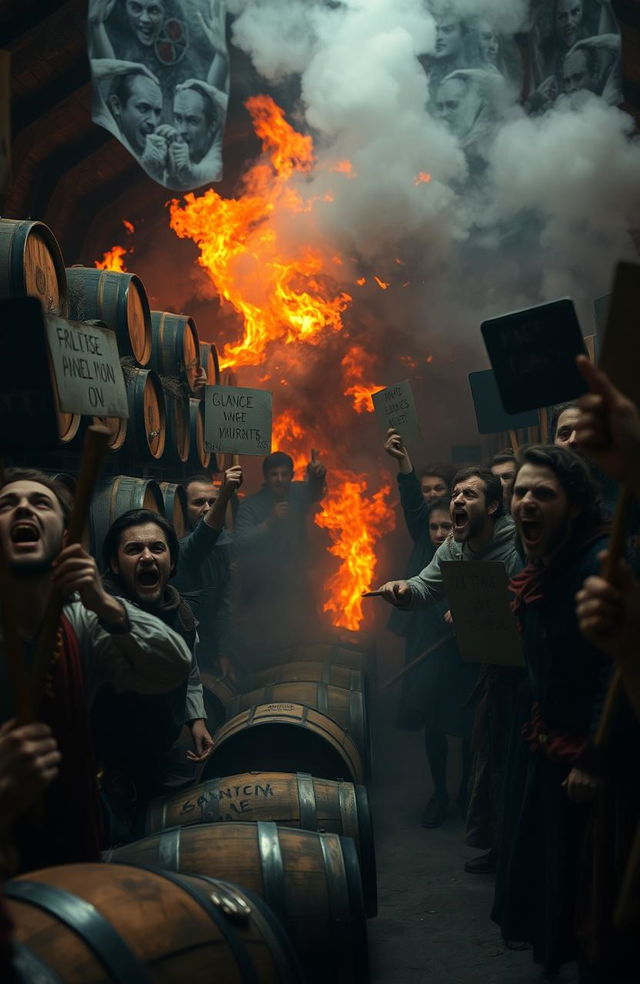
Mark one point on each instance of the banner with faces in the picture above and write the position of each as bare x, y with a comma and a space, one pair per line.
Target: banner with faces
569, 50
160, 72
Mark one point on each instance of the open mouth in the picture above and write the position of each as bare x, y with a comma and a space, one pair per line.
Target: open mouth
24, 532
531, 530
460, 518
148, 578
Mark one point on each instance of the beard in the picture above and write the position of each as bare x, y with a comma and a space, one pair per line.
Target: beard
476, 526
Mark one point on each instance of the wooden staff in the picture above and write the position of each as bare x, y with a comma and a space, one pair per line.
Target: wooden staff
614, 555
543, 417
513, 440
414, 662
93, 453
13, 647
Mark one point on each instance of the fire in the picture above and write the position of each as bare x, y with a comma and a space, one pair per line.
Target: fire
354, 521
129, 226
382, 284
113, 259
357, 363
422, 178
281, 295
344, 167
286, 294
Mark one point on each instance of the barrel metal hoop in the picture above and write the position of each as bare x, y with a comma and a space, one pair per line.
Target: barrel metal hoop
169, 848
338, 894
307, 801
82, 918
28, 968
323, 699
349, 810
326, 672
224, 924
272, 866
356, 718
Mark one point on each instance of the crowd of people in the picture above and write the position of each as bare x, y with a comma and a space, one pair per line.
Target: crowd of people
122, 719
553, 801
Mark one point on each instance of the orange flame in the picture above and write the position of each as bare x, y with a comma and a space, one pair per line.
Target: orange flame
281, 297
382, 284
354, 522
356, 363
344, 167
422, 178
129, 226
113, 259
285, 295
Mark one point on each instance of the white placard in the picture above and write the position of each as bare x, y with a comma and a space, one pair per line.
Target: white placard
237, 420
395, 407
86, 364
483, 623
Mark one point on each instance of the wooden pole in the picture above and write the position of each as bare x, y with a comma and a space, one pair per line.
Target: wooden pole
544, 424
614, 555
513, 441
93, 452
13, 647
414, 662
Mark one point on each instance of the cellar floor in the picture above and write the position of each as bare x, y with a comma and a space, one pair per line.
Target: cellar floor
433, 925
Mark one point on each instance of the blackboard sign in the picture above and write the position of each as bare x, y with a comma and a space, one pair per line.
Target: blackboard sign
620, 352
490, 416
483, 623
533, 354
28, 416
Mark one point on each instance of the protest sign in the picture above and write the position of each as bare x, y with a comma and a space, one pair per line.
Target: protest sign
395, 407
490, 415
237, 420
533, 354
86, 363
483, 623
600, 313
28, 413
620, 349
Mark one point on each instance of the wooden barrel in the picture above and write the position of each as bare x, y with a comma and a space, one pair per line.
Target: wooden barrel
120, 300
199, 457
115, 496
97, 923
174, 498
209, 362
284, 738
218, 692
290, 800
354, 656
146, 427
117, 431
31, 264
68, 424
310, 880
308, 672
178, 424
346, 707
175, 347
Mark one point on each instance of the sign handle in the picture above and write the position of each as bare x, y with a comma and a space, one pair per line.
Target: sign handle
414, 662
14, 649
93, 453
614, 554
543, 415
513, 440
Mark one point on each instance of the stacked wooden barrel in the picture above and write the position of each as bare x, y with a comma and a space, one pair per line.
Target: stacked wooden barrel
281, 809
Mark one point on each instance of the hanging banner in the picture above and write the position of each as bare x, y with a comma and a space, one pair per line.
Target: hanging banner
160, 72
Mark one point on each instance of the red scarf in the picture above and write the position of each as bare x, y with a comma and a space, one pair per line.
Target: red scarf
67, 828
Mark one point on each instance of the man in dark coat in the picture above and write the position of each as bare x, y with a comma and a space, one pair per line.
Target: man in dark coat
551, 771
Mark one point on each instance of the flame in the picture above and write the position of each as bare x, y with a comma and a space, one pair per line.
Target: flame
113, 259
129, 226
284, 294
381, 283
280, 295
422, 178
357, 363
354, 521
344, 167
361, 281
